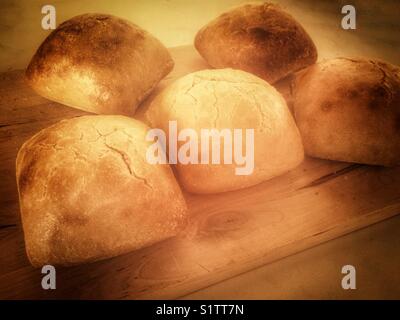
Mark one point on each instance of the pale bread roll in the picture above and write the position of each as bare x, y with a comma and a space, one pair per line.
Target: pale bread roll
87, 192
99, 63
258, 38
349, 110
233, 99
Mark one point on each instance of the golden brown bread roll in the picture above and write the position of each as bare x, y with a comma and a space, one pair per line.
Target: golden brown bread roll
257, 38
229, 99
349, 110
87, 192
99, 63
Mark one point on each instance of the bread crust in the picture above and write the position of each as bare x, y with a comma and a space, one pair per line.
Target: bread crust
348, 109
233, 99
98, 63
87, 192
258, 38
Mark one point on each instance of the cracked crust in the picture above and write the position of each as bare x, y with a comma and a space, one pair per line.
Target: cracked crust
87, 192
258, 38
99, 63
233, 99
348, 109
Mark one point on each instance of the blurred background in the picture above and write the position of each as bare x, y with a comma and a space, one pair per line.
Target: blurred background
175, 23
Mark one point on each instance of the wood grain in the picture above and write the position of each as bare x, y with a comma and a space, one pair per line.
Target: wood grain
228, 233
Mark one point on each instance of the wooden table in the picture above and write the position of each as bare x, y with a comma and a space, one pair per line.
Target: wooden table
228, 233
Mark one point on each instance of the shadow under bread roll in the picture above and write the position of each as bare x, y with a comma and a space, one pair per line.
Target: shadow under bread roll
348, 109
261, 39
98, 63
87, 192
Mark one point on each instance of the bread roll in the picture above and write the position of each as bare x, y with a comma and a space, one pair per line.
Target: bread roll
349, 110
257, 38
229, 99
98, 63
87, 192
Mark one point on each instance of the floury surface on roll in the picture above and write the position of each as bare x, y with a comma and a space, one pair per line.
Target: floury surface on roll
349, 110
230, 101
87, 192
258, 38
99, 63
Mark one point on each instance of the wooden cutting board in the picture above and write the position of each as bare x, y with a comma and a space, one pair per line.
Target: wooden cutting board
228, 233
